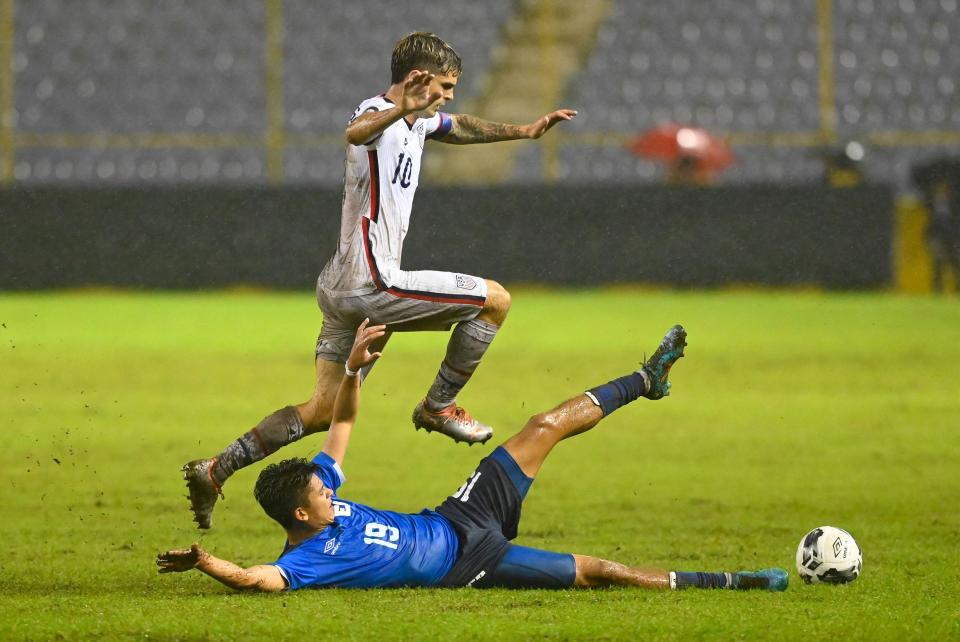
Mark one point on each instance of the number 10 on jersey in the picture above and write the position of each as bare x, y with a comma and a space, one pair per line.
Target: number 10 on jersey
404, 171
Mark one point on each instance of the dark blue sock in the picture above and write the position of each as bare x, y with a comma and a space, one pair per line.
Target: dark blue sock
683, 579
618, 392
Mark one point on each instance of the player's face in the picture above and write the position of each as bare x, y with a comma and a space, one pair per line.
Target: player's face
445, 84
319, 510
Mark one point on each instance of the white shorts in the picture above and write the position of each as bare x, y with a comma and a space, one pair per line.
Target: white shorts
420, 300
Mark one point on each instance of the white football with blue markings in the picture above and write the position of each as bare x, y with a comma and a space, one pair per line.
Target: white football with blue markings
829, 555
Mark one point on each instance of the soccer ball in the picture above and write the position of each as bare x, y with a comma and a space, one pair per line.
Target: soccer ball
830, 555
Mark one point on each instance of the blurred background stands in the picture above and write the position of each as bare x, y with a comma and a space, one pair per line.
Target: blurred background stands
180, 91
259, 90
754, 69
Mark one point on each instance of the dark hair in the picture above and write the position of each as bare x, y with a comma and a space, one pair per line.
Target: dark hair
282, 488
423, 50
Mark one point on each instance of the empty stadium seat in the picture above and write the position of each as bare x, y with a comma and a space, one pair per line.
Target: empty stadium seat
752, 66
99, 68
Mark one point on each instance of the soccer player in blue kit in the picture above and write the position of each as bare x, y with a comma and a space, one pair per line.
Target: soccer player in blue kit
466, 541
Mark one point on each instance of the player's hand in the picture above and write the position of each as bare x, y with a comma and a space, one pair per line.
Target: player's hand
416, 92
180, 559
539, 127
360, 355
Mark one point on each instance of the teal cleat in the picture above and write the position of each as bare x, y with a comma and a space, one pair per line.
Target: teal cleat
771, 579
657, 367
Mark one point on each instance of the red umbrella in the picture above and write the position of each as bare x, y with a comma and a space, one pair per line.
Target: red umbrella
673, 143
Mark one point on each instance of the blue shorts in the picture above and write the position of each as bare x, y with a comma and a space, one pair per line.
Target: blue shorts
485, 513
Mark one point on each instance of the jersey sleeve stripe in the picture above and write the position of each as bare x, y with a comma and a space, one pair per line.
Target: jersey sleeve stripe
339, 471
446, 124
283, 574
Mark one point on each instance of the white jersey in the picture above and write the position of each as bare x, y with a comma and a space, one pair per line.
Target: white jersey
380, 180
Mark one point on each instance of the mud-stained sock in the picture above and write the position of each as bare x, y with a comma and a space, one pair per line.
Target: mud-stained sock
274, 431
619, 392
468, 342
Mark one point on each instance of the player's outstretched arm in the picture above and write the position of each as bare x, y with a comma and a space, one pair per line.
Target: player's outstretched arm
467, 129
347, 403
415, 96
265, 578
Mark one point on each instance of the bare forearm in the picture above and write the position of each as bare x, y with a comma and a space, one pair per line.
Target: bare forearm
347, 403
371, 124
467, 129
228, 573
265, 577
344, 416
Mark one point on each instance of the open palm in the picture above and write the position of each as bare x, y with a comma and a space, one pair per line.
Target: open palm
360, 355
179, 560
416, 91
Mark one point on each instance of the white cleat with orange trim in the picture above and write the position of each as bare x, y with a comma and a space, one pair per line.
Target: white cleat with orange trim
453, 421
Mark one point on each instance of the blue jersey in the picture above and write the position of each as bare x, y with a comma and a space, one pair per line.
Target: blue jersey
365, 547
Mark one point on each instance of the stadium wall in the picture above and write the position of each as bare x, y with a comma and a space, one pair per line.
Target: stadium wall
210, 237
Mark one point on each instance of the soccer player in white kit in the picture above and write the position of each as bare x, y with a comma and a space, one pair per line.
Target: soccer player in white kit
385, 140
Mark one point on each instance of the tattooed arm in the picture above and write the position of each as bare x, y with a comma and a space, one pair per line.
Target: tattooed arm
468, 129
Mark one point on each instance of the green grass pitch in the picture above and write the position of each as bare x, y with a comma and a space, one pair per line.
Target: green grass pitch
791, 410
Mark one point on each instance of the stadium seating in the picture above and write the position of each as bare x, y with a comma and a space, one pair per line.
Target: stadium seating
91, 69
752, 66
139, 66
97, 67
